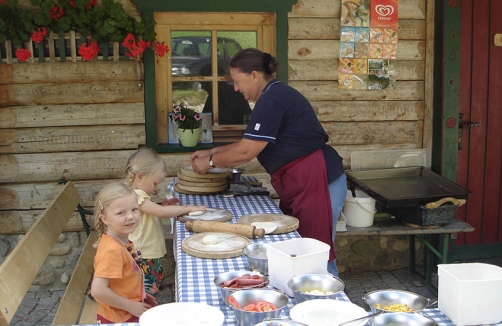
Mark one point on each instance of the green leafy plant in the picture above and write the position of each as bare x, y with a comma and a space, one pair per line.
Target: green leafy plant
185, 117
106, 22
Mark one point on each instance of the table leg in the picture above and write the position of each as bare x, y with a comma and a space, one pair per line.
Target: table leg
413, 269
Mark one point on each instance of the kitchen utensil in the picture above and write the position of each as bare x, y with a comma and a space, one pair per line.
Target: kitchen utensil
256, 255
402, 319
209, 226
285, 223
300, 284
229, 245
414, 301
245, 297
361, 318
227, 276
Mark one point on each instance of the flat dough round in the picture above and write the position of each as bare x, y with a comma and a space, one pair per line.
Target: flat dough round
269, 227
210, 239
196, 213
285, 223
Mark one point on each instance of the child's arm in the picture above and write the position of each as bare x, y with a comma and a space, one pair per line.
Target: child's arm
160, 211
101, 292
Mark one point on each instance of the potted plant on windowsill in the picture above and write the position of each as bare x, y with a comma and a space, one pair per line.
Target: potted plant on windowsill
189, 123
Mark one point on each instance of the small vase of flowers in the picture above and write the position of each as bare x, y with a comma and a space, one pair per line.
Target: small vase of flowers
189, 123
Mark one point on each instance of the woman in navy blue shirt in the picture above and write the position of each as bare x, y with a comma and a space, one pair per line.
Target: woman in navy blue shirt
288, 140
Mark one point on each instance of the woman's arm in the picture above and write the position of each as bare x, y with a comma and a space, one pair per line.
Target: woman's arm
101, 292
230, 155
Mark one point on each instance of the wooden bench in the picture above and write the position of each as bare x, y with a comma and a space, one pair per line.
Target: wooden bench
22, 265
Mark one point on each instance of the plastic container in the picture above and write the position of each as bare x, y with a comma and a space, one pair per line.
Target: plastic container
470, 294
360, 210
293, 257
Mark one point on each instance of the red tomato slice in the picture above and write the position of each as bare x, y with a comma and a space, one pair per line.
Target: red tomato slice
251, 307
233, 302
263, 306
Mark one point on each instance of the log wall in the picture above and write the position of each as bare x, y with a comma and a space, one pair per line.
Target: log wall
82, 120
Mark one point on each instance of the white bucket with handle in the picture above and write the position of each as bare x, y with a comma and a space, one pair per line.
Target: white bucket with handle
360, 210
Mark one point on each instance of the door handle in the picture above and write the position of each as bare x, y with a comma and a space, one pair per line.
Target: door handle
464, 126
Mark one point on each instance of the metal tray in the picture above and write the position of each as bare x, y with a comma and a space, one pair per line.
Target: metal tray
409, 186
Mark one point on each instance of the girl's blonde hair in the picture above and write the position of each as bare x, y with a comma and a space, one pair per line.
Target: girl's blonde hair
146, 162
105, 197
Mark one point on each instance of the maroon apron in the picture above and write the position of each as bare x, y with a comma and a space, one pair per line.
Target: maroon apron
302, 186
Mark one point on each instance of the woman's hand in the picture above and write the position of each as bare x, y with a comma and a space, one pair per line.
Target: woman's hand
200, 164
198, 154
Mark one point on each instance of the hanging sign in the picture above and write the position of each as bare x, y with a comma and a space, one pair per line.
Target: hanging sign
368, 44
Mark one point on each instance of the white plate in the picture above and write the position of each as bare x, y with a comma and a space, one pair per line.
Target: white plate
182, 313
269, 227
327, 312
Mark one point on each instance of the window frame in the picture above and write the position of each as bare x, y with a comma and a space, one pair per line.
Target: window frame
148, 8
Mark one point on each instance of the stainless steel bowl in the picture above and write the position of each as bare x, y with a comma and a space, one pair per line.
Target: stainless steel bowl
402, 319
245, 297
256, 255
387, 297
227, 276
307, 282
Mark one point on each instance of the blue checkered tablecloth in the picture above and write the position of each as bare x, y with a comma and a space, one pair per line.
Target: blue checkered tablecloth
195, 276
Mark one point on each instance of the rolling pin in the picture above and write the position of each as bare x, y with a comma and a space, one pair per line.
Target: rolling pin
246, 230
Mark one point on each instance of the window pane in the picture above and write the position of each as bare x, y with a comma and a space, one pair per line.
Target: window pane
233, 109
229, 43
184, 92
190, 51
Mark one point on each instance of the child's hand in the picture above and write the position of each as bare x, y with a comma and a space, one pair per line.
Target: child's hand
192, 208
150, 300
170, 201
138, 308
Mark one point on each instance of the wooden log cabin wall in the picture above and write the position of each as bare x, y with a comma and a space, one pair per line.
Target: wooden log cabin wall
81, 120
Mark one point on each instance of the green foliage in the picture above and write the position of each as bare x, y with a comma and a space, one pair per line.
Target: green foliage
103, 23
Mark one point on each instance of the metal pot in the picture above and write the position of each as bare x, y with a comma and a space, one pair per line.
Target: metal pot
388, 297
256, 255
245, 297
402, 319
227, 276
307, 282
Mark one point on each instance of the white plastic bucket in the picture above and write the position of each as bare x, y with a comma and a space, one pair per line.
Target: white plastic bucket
360, 210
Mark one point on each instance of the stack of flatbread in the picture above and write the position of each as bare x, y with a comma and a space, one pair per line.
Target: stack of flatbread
192, 183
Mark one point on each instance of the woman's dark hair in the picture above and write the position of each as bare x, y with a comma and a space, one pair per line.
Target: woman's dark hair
249, 60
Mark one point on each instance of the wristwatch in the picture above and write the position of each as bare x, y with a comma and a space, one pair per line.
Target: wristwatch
211, 164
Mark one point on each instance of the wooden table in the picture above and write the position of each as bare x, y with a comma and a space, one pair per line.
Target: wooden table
436, 240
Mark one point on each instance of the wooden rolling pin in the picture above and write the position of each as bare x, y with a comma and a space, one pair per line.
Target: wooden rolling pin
246, 230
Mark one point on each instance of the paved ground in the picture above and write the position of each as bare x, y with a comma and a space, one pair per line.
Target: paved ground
39, 308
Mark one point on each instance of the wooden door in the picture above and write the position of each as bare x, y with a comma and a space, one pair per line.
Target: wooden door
480, 156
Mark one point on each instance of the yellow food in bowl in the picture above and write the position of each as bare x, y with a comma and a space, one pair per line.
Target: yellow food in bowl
397, 307
318, 292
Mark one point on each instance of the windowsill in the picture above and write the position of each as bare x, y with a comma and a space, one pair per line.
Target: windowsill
175, 148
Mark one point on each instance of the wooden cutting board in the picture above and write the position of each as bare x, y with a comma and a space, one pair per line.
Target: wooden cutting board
211, 214
229, 245
198, 190
285, 223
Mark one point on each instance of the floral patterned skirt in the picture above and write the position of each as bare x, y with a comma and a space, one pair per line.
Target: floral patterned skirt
154, 274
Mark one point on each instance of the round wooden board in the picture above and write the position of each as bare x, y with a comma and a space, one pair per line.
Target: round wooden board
198, 190
202, 183
211, 173
285, 223
211, 214
229, 245
193, 179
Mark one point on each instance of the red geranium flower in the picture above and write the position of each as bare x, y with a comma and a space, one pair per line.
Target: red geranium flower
160, 48
135, 49
23, 54
73, 4
88, 52
91, 4
56, 13
38, 35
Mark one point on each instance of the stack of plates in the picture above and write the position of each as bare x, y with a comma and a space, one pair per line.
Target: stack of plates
192, 183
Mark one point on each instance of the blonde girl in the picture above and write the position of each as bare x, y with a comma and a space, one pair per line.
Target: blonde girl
118, 278
144, 172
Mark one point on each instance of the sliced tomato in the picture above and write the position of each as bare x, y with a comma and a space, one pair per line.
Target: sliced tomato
251, 307
231, 301
263, 306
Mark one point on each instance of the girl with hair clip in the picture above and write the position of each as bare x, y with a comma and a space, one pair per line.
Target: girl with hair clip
288, 140
144, 172
117, 285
